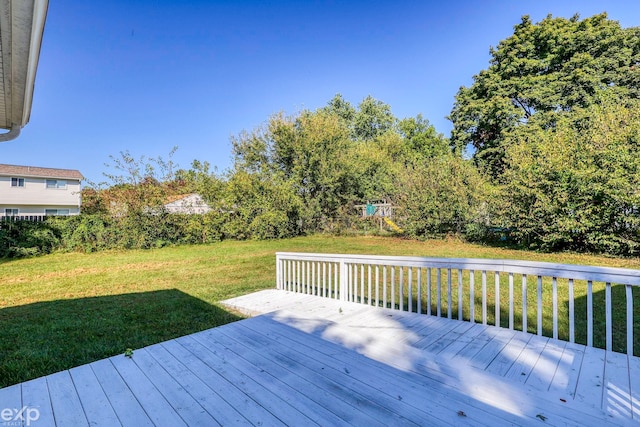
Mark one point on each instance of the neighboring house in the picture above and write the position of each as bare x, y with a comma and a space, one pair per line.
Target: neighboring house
187, 204
35, 191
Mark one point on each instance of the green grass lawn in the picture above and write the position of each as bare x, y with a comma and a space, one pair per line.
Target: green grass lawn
64, 310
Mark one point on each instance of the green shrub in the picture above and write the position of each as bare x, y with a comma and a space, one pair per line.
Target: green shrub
441, 196
86, 233
270, 225
27, 238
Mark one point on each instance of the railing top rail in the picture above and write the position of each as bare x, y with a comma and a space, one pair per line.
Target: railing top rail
534, 268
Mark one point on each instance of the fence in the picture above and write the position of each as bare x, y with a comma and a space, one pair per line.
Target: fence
584, 304
35, 218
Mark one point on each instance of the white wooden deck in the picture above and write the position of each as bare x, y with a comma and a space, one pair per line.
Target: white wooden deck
317, 361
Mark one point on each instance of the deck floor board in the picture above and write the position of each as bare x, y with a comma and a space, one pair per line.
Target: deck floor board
308, 360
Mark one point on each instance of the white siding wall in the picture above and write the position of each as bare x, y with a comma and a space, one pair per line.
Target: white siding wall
36, 194
193, 204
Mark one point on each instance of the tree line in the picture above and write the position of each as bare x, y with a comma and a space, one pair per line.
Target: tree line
543, 155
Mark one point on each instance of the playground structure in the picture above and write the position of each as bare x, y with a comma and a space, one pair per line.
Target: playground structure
383, 211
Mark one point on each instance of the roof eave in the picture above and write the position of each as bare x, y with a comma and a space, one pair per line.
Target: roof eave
21, 29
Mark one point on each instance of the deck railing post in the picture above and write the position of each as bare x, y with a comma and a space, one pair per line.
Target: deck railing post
279, 284
343, 280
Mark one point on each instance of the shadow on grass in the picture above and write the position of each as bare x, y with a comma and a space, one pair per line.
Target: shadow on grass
46, 337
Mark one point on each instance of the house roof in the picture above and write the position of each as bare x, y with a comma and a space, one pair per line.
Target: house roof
176, 197
180, 197
21, 28
38, 172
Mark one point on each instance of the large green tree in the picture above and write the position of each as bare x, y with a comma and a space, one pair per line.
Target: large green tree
577, 186
309, 153
421, 138
372, 119
541, 71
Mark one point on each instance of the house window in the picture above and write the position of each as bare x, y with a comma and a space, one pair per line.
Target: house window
58, 212
11, 212
17, 182
56, 183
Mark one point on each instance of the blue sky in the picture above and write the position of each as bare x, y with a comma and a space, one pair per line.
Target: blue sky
146, 76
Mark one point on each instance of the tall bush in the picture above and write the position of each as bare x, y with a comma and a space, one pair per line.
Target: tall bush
26, 238
576, 185
441, 195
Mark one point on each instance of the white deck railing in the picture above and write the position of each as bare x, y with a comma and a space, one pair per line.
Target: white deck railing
597, 301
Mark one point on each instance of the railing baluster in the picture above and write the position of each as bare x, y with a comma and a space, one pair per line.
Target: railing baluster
524, 303
278, 273
629, 295
439, 292
330, 293
353, 288
283, 273
324, 279
356, 288
449, 294
429, 291
384, 286
572, 332
539, 305
313, 278
472, 299
393, 287
291, 276
369, 300
608, 325
497, 299
339, 269
362, 284
410, 291
590, 313
401, 289
484, 297
419, 289
511, 301
459, 294
555, 307
303, 280
351, 280
377, 286
335, 280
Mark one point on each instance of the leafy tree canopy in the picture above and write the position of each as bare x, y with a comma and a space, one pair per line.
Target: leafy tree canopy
575, 186
336, 156
542, 70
